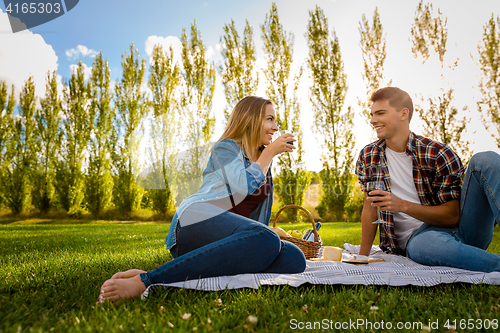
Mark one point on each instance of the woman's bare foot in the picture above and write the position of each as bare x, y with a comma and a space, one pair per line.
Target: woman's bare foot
115, 289
127, 274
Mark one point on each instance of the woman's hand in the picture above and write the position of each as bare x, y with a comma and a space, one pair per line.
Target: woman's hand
278, 146
282, 144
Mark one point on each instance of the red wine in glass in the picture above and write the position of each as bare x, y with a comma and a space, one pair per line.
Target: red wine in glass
372, 186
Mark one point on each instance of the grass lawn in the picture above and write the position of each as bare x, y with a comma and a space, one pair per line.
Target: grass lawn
51, 272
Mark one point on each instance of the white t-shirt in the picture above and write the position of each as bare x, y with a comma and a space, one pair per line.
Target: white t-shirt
402, 186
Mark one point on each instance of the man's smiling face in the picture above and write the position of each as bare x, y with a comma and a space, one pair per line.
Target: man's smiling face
385, 119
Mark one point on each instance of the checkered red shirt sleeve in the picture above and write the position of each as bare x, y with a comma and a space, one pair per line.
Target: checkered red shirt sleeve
360, 171
449, 172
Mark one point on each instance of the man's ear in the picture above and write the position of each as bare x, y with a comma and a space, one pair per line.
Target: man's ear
404, 114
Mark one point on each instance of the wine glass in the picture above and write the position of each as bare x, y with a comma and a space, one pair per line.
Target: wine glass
372, 186
295, 166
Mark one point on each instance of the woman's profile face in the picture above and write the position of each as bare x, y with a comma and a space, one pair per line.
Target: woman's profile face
269, 126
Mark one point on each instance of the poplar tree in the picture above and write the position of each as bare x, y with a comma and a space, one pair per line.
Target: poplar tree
428, 33
22, 151
131, 105
98, 180
237, 71
163, 81
331, 120
373, 47
77, 125
282, 86
197, 92
442, 120
7, 105
489, 85
49, 136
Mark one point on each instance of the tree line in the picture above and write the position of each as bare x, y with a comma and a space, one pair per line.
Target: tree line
74, 149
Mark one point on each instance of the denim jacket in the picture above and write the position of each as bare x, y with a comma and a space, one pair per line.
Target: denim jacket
228, 171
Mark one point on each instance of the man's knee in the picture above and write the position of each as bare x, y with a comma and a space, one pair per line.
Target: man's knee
430, 246
484, 159
416, 247
424, 244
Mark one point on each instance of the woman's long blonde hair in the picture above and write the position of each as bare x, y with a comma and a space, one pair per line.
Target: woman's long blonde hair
245, 124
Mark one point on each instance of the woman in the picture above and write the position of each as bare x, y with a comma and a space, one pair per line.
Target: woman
222, 229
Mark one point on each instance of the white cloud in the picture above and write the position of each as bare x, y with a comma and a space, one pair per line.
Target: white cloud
219, 47
165, 42
87, 71
22, 55
209, 53
81, 50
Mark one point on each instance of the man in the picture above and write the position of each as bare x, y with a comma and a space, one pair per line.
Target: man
428, 215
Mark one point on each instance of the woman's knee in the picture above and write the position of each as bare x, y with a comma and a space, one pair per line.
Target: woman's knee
266, 238
290, 260
297, 258
271, 236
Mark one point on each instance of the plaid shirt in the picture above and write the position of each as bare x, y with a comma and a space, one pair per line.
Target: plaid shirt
437, 174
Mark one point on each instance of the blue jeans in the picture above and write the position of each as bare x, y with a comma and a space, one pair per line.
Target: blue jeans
465, 245
224, 244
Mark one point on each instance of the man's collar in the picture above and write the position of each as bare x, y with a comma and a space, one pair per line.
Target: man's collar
410, 145
380, 143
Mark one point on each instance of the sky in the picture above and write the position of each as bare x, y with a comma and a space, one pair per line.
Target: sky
110, 26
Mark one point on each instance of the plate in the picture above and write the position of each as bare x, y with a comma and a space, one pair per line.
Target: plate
350, 261
362, 262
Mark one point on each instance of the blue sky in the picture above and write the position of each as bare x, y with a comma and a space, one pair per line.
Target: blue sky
111, 25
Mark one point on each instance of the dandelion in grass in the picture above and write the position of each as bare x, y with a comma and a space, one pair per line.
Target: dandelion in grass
186, 316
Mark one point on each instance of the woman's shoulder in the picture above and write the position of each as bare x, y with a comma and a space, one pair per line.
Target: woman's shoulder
228, 144
228, 149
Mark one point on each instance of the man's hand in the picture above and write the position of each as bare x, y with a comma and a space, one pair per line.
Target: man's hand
444, 215
387, 201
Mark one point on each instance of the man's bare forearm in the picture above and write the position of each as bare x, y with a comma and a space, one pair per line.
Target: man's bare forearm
444, 215
368, 229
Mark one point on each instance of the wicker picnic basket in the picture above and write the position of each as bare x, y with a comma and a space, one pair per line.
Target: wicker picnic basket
310, 248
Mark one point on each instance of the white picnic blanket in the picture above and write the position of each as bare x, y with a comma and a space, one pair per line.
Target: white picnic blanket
395, 271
